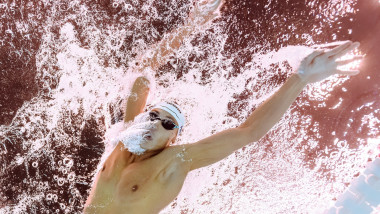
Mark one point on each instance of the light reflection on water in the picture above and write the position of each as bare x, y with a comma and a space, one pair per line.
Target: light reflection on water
82, 53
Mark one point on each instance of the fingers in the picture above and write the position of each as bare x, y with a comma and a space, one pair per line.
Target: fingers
342, 50
349, 72
352, 47
206, 7
344, 62
205, 11
214, 5
310, 59
338, 49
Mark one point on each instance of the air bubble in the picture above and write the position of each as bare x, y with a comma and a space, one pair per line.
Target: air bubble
115, 5
68, 162
61, 181
342, 144
62, 206
62, 7
19, 160
334, 155
55, 196
128, 6
34, 164
71, 176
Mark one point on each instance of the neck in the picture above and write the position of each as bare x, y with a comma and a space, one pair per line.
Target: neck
134, 158
144, 156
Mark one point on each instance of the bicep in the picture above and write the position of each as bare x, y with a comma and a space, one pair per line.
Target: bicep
136, 102
217, 147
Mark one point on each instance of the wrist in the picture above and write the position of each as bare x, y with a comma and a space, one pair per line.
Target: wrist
301, 77
187, 29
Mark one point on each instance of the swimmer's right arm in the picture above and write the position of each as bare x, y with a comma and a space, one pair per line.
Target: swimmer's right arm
140, 90
200, 16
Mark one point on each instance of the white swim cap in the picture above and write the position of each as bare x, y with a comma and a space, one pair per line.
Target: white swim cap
173, 111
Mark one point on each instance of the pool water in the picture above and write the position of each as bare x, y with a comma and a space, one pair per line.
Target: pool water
66, 67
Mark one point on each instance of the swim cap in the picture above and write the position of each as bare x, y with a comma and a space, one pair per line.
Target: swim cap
173, 111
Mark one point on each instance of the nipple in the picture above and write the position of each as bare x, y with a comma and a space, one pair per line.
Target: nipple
134, 188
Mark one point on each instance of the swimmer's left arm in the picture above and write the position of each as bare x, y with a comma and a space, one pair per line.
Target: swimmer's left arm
137, 100
218, 146
316, 67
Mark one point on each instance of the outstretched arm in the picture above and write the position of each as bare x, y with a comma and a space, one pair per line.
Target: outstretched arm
315, 67
200, 16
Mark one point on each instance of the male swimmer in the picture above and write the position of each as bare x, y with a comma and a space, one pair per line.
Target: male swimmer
144, 173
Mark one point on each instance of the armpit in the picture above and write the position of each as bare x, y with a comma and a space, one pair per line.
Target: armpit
182, 154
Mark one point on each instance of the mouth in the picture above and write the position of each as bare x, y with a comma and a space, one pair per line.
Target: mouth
148, 136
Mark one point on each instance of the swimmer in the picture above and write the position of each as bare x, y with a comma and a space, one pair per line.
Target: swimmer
144, 173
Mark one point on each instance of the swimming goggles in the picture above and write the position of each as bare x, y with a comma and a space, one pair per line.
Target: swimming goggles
166, 123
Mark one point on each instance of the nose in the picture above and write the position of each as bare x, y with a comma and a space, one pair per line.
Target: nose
156, 123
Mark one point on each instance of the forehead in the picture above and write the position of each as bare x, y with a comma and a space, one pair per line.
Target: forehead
164, 113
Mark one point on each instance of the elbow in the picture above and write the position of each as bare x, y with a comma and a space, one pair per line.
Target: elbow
143, 80
251, 133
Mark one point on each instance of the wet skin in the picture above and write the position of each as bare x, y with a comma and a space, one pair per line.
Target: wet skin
129, 183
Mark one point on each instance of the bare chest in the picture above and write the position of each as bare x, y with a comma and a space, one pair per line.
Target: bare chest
132, 189
142, 187
145, 184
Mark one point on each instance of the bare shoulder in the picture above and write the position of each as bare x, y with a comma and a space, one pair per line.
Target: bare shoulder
173, 162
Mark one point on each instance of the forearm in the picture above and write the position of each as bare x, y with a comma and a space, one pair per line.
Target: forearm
168, 45
270, 112
199, 17
137, 100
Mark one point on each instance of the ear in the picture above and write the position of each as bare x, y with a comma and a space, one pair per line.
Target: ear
173, 139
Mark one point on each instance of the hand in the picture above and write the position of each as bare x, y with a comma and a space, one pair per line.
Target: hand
203, 12
321, 64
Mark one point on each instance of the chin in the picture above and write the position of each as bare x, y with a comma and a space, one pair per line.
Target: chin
149, 145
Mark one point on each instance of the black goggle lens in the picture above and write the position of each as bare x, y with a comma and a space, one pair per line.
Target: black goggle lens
167, 124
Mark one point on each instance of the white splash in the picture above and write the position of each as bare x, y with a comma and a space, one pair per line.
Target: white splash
133, 136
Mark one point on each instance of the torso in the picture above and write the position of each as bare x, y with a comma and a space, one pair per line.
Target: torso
125, 186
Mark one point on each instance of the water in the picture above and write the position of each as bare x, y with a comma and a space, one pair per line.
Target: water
64, 64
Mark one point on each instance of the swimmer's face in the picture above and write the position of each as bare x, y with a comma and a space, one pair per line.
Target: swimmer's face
159, 136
